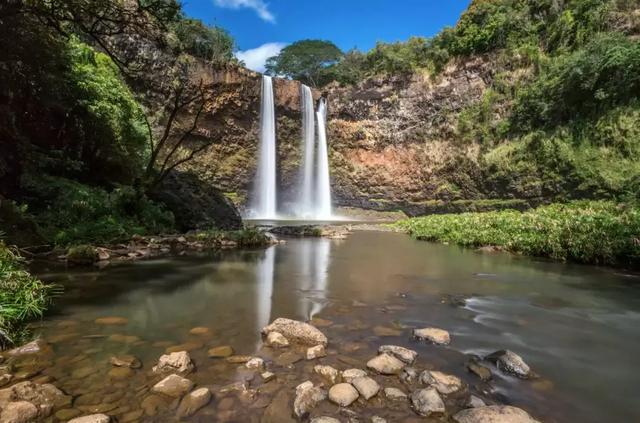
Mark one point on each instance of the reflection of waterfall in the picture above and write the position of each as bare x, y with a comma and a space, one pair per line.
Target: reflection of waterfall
305, 205
314, 267
264, 200
264, 276
323, 208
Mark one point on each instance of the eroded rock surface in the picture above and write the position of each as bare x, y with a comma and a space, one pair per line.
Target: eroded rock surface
494, 414
297, 331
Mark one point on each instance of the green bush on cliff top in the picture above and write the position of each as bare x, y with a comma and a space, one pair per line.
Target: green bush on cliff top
597, 232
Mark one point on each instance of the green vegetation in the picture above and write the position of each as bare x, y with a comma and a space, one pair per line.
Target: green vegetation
305, 60
598, 232
22, 297
213, 44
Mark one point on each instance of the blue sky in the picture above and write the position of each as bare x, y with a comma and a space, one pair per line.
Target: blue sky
262, 27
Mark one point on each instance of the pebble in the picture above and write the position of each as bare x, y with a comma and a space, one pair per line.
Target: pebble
125, 361
316, 352
493, 414
434, 335
200, 330
386, 364
394, 394
256, 363
94, 418
173, 386
401, 353
350, 374
426, 402
220, 352
328, 372
267, 376
111, 321
179, 362
343, 394
193, 402
443, 383
366, 386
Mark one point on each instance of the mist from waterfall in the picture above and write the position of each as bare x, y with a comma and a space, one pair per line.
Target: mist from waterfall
305, 206
265, 196
323, 206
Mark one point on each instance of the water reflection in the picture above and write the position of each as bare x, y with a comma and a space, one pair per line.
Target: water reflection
313, 275
264, 289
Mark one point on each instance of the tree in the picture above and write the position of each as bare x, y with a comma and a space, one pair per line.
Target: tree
210, 43
305, 61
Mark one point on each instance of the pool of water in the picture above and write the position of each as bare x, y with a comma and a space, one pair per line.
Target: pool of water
576, 326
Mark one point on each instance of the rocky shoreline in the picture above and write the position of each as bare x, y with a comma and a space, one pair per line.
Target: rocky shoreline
392, 385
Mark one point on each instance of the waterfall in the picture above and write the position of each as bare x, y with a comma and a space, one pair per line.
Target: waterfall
323, 205
264, 206
305, 207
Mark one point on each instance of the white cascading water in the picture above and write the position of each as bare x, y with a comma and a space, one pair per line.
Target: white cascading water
323, 204
265, 196
305, 207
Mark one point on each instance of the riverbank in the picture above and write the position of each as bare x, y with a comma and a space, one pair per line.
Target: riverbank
595, 232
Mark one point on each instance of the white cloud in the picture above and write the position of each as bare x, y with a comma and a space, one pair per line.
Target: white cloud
256, 58
260, 7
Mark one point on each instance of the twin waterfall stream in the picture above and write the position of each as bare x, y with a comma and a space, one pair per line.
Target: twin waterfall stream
313, 200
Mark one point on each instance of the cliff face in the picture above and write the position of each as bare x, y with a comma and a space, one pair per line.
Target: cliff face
389, 139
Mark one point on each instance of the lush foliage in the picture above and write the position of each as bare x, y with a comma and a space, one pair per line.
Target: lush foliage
584, 231
211, 43
22, 297
70, 212
304, 60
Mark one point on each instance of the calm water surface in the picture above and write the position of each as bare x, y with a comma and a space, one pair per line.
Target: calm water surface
576, 326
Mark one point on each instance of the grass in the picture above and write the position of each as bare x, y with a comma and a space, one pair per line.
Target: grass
22, 297
599, 232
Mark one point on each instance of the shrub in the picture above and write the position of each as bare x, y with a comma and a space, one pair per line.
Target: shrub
211, 43
249, 237
597, 232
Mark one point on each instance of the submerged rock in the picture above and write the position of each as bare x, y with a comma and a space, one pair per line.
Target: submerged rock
256, 363
443, 383
511, 363
384, 331
125, 361
434, 335
277, 340
220, 352
297, 331
193, 402
386, 364
173, 386
427, 402
494, 414
343, 394
366, 386
19, 412
401, 353
479, 370
111, 321
178, 362
94, 418
350, 374
34, 347
475, 402
307, 398
43, 397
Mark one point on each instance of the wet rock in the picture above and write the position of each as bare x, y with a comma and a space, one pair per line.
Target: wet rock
279, 411
5, 379
34, 347
19, 412
277, 340
394, 394
475, 402
67, 414
366, 386
443, 383
220, 352
267, 376
320, 323
43, 397
83, 372
187, 346
125, 339
378, 419
200, 330
193, 402
350, 374
296, 331
306, 400
238, 359
256, 363
427, 402
173, 386
409, 375
324, 419
493, 414
479, 370
129, 361
434, 335
120, 373
287, 359
94, 418
176, 362
511, 363
316, 352
386, 364
131, 416
111, 321
303, 387
386, 331
152, 405
327, 372
401, 353
343, 394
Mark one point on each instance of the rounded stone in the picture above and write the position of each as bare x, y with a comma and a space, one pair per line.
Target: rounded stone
386, 364
220, 352
434, 335
366, 386
343, 394
111, 321
427, 402
494, 414
94, 418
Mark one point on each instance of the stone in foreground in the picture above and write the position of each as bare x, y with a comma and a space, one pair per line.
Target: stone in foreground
173, 386
386, 364
256, 363
494, 414
394, 394
401, 353
511, 363
350, 374
94, 418
19, 412
427, 402
193, 402
43, 397
327, 372
343, 394
307, 397
277, 340
434, 335
296, 331
316, 352
366, 386
177, 362
443, 383
324, 419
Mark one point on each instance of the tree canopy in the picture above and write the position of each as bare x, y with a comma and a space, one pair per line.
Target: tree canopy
305, 61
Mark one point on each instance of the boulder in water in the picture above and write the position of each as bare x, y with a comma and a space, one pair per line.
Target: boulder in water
296, 331
386, 364
427, 402
434, 335
401, 353
511, 363
343, 394
176, 362
493, 414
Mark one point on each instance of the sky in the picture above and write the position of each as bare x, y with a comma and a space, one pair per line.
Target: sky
262, 27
